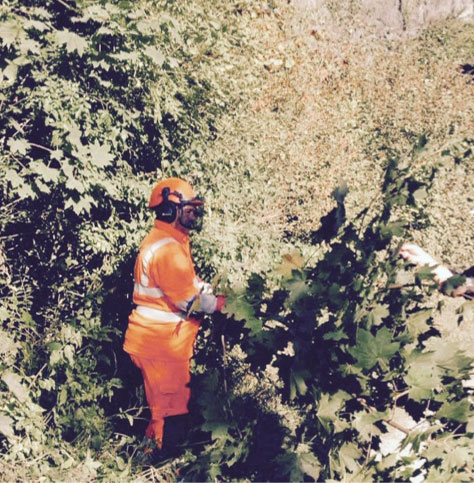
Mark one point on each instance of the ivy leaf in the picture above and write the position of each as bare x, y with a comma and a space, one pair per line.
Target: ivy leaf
369, 349
72, 41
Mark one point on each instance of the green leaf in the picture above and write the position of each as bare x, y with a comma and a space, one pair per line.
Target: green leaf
364, 423
14, 384
290, 262
7, 345
298, 381
10, 31
448, 356
73, 41
422, 379
329, 406
307, 464
254, 325
100, 154
19, 145
239, 308
348, 456
218, 430
6, 426
155, 55
457, 410
48, 174
369, 349
379, 313
417, 322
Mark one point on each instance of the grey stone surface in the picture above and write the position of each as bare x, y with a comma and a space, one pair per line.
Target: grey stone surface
382, 18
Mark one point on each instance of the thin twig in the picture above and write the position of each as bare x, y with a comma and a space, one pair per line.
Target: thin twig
389, 421
44, 148
64, 4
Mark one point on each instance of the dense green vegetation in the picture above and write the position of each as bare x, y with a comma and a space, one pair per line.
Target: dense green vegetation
326, 335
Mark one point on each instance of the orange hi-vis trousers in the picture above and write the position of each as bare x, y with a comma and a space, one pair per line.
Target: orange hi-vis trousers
162, 351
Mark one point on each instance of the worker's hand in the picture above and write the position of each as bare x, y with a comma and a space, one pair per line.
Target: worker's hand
205, 287
221, 300
414, 254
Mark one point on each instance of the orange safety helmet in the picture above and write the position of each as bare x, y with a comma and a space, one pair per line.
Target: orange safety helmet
176, 190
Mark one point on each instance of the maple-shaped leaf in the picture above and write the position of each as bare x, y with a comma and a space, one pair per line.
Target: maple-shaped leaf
48, 174
417, 322
306, 464
348, 456
100, 154
290, 262
457, 410
72, 41
298, 383
364, 423
448, 356
239, 308
254, 325
18, 145
328, 407
372, 349
422, 380
379, 312
459, 456
218, 430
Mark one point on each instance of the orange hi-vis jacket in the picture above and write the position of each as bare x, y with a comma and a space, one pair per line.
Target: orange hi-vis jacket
160, 337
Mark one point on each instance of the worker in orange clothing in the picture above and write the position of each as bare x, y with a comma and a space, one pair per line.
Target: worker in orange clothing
160, 334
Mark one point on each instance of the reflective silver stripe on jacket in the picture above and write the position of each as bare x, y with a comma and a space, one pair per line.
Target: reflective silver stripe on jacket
148, 256
160, 315
139, 289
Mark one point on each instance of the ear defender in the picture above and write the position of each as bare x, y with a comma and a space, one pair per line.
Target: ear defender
166, 210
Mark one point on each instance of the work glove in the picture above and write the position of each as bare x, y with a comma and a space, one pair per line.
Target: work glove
221, 300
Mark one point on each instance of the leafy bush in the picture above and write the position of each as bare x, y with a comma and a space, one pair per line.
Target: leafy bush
346, 343
99, 99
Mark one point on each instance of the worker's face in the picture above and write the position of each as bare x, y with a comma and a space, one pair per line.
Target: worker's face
188, 217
